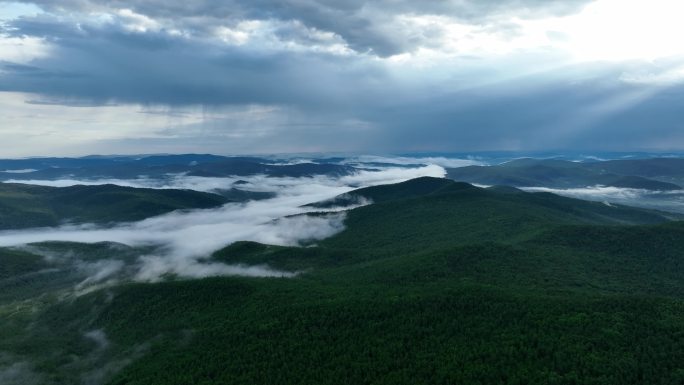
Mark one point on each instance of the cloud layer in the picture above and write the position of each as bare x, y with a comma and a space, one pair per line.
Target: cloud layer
361, 25
304, 76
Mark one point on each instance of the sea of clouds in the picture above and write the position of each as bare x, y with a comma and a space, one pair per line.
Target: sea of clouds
182, 240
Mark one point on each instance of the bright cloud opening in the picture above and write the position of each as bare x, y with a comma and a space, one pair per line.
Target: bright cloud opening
619, 30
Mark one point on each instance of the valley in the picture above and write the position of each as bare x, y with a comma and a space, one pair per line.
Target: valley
429, 281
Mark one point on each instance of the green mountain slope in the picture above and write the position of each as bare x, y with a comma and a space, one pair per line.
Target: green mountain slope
437, 282
23, 206
429, 211
409, 189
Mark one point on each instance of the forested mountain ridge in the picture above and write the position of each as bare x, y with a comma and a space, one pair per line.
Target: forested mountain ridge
24, 206
436, 282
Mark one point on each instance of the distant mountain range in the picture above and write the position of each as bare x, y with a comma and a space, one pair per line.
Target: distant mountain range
657, 174
158, 166
649, 174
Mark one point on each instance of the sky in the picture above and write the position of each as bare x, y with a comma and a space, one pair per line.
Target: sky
82, 77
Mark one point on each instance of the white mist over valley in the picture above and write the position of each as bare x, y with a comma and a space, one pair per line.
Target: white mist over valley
182, 240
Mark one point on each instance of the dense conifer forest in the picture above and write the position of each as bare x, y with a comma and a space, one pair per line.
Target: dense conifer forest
437, 282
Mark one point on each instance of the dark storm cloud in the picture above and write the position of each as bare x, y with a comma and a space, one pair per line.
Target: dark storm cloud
598, 114
106, 62
361, 23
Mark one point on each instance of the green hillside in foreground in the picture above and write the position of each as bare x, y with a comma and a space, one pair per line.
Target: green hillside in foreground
24, 206
647, 174
437, 282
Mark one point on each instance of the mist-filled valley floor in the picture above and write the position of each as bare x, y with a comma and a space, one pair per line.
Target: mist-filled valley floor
199, 269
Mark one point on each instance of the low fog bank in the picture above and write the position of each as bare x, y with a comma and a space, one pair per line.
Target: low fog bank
409, 161
19, 373
260, 183
672, 201
182, 240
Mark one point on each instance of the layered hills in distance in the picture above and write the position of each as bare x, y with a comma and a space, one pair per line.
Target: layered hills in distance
379, 272
649, 174
156, 166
